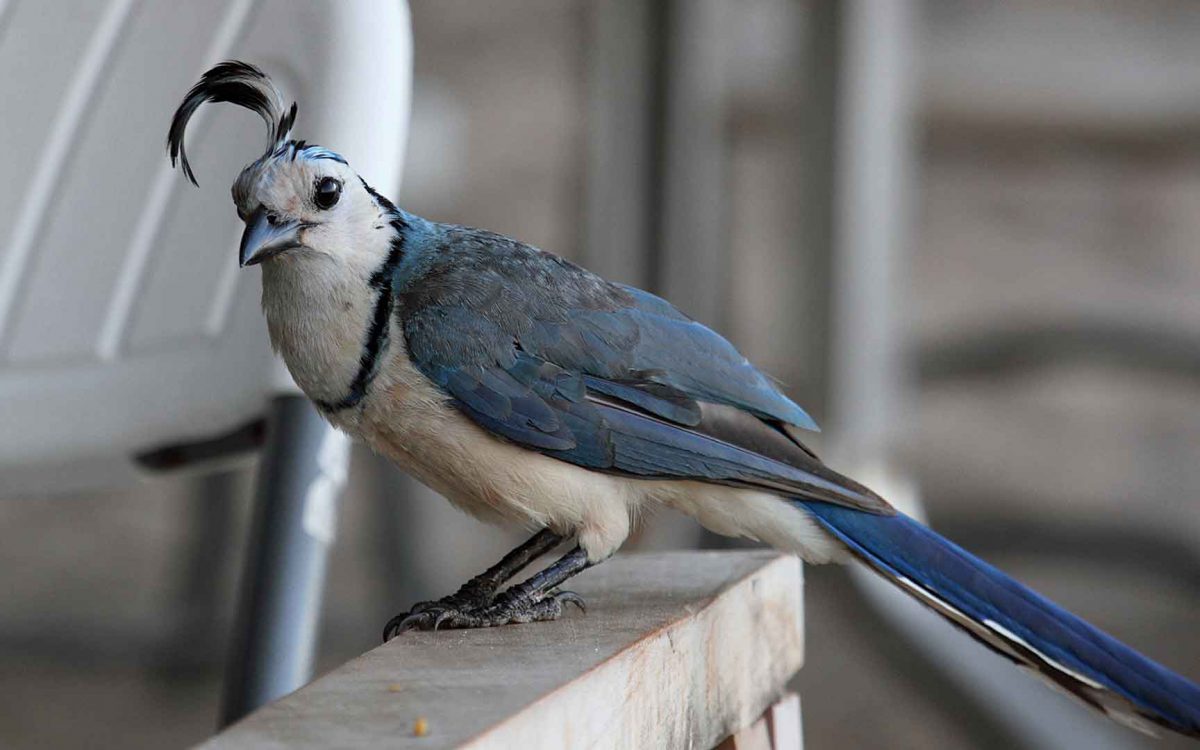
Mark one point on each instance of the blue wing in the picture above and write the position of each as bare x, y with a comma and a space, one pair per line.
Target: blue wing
551, 357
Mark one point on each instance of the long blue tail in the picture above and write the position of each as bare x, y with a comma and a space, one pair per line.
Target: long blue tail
1016, 621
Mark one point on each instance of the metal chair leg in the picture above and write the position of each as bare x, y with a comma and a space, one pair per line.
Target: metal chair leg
299, 481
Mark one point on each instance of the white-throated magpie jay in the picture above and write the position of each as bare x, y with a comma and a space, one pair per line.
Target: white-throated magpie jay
526, 389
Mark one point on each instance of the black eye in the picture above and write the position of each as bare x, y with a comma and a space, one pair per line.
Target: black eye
327, 193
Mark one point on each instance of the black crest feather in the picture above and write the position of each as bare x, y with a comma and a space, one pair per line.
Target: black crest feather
238, 83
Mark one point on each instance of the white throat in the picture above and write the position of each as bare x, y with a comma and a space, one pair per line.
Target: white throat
319, 310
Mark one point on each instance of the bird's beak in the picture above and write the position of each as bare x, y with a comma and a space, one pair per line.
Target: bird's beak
263, 239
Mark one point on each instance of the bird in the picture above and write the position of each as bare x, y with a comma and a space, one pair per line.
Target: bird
528, 390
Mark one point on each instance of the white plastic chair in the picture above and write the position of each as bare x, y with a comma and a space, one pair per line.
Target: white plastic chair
125, 324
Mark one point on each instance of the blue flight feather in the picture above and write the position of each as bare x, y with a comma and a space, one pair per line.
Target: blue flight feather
659, 400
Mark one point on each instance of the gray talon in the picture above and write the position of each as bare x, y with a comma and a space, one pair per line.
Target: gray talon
573, 598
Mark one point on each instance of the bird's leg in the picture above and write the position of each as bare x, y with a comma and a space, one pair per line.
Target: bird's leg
478, 592
533, 600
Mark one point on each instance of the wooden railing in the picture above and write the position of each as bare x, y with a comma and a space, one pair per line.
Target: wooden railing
687, 650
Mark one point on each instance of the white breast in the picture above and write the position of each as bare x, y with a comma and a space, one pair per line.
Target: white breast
317, 316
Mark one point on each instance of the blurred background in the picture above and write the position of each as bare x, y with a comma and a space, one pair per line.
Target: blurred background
964, 235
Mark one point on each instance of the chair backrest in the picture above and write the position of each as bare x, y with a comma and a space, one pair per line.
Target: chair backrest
124, 320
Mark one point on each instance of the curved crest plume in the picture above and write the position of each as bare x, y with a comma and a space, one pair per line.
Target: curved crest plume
238, 83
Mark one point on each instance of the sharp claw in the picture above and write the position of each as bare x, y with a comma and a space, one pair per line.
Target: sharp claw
392, 629
402, 623
573, 598
412, 621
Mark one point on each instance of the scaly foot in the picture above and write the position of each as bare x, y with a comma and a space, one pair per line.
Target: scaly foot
505, 610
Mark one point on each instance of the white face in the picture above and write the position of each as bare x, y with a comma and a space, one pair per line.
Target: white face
300, 205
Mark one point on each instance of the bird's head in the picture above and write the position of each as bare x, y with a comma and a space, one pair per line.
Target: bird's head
295, 197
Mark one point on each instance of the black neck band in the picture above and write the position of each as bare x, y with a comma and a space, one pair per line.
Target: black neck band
379, 330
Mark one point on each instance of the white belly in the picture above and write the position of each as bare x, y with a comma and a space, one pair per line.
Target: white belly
408, 420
